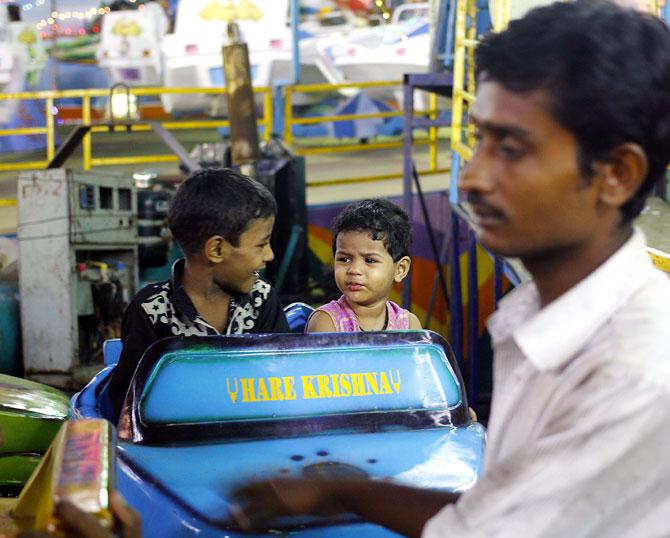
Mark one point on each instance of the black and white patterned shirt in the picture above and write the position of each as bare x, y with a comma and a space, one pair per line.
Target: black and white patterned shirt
164, 309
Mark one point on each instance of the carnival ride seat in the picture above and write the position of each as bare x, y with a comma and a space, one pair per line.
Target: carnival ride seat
239, 408
93, 400
297, 315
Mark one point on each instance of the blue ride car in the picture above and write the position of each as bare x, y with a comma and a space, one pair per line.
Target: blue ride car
205, 415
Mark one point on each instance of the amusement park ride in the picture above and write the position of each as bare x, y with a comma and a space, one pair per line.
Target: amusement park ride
205, 415
22, 58
333, 47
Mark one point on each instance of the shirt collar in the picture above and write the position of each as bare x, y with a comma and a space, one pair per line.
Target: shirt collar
544, 335
183, 302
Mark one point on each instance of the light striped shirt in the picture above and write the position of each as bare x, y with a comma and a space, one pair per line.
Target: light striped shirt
579, 435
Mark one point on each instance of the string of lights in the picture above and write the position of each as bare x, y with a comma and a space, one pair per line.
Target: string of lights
51, 24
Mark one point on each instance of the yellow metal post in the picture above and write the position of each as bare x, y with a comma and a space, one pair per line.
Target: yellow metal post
288, 115
472, 36
267, 115
51, 134
432, 132
459, 74
86, 142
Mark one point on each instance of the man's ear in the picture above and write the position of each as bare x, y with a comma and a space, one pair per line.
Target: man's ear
623, 174
402, 268
217, 249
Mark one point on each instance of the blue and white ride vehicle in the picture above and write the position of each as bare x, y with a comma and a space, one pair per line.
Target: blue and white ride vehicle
205, 415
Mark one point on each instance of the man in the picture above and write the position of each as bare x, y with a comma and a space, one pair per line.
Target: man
573, 126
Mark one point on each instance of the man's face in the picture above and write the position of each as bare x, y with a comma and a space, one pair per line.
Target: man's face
523, 182
239, 271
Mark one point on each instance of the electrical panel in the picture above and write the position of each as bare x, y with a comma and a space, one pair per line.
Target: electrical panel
78, 268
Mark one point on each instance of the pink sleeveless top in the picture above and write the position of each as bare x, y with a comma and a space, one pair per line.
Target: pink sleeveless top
345, 319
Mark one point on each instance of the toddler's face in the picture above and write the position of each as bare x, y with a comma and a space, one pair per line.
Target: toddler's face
364, 270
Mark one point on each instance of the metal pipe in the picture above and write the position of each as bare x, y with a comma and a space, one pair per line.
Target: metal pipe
288, 115
432, 132
86, 142
497, 279
444, 250
431, 236
51, 134
295, 32
408, 167
296, 230
241, 107
473, 319
456, 310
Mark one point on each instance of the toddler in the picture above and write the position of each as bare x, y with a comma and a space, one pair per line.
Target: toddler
371, 244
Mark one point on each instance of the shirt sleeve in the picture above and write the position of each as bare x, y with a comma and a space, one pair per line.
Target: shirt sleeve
591, 471
272, 318
137, 334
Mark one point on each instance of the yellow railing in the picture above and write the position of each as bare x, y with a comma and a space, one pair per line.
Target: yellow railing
89, 161
290, 121
464, 78
464, 45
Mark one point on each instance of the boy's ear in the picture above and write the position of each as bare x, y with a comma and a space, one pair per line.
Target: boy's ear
216, 249
622, 174
402, 268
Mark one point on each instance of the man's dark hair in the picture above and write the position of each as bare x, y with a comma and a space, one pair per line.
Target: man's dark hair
607, 72
216, 201
382, 219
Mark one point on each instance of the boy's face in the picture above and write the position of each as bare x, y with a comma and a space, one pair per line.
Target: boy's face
364, 270
523, 182
239, 270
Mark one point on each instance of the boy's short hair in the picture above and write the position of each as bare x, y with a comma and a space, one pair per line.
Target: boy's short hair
216, 201
384, 221
607, 72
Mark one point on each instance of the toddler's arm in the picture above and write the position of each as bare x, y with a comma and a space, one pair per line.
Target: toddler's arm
414, 323
320, 322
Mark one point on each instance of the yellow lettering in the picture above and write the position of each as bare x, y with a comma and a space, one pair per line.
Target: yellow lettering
358, 384
264, 389
396, 384
232, 393
336, 388
346, 385
384, 385
248, 393
263, 395
275, 388
308, 391
371, 379
289, 388
324, 389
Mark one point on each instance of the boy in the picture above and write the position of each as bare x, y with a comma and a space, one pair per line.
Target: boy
222, 221
573, 128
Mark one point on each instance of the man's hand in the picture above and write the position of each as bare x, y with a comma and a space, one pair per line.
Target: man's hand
402, 509
260, 502
79, 524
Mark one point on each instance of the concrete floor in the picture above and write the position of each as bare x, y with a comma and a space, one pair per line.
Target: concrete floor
320, 167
